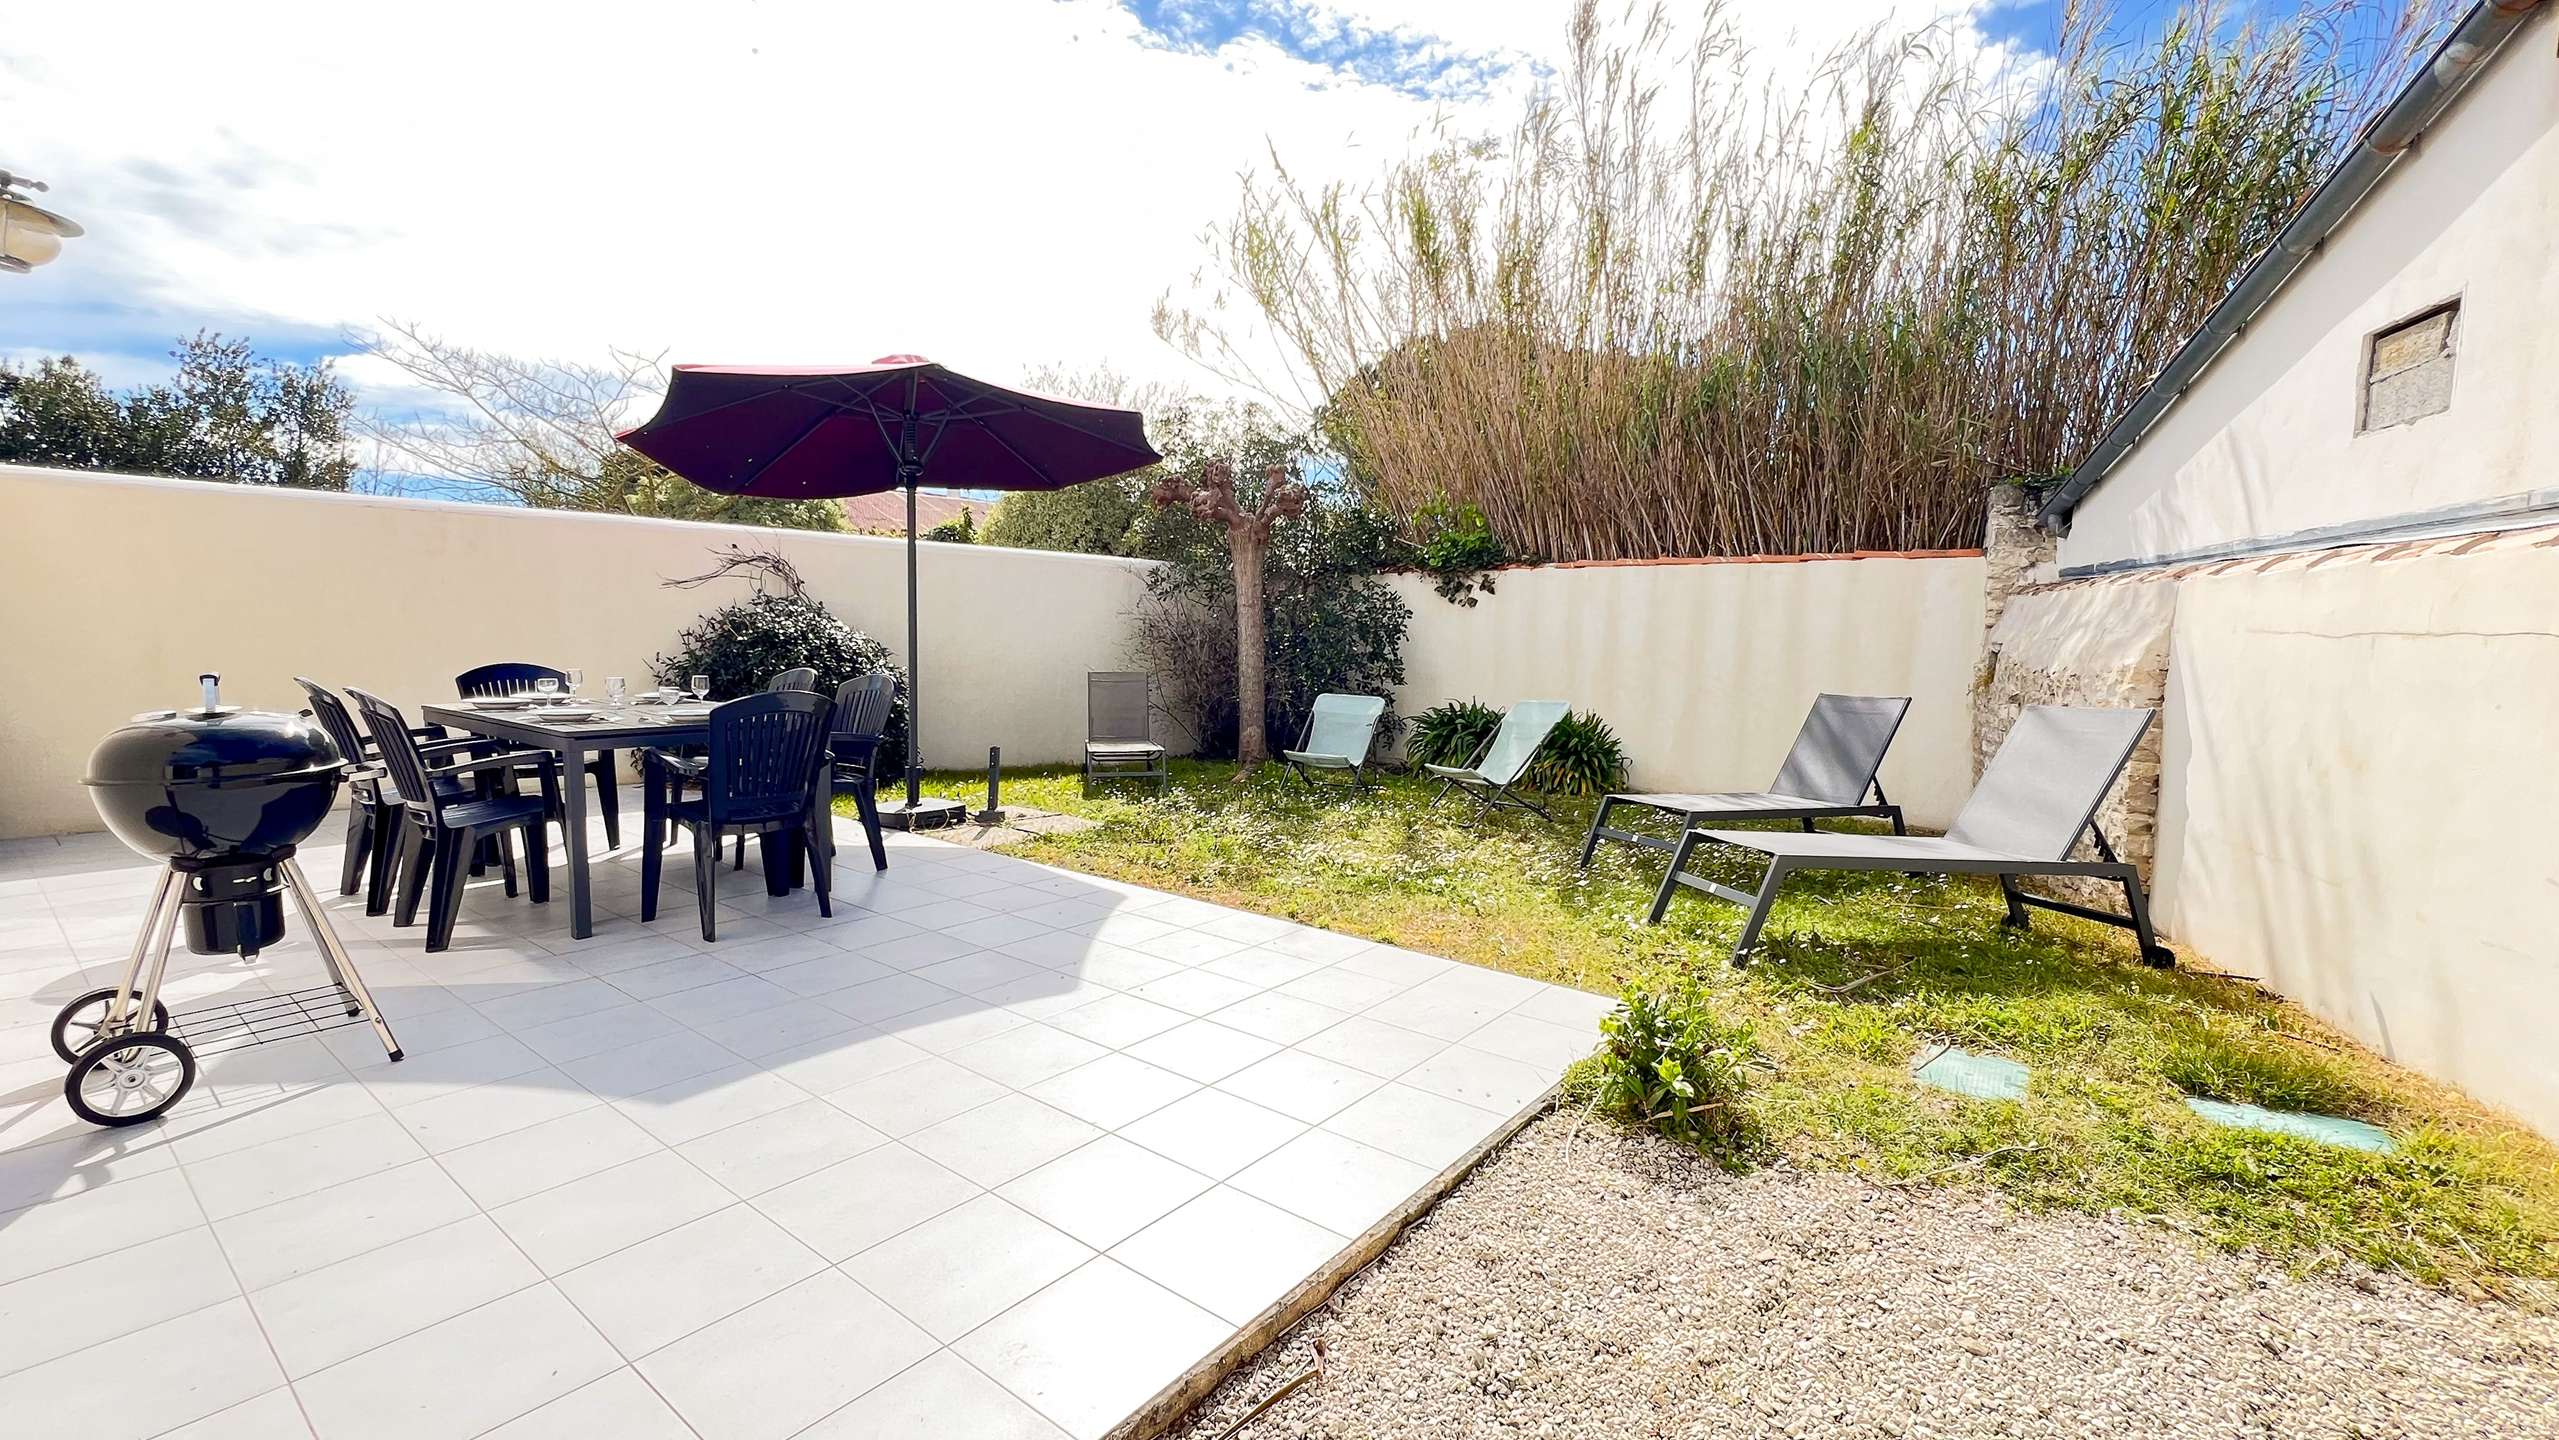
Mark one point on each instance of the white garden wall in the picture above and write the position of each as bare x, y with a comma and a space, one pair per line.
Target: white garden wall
1706, 669
2356, 799
115, 592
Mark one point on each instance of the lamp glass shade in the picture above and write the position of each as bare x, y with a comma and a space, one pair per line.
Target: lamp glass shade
27, 235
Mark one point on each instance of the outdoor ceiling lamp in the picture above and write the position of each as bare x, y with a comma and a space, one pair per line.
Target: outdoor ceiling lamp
30, 235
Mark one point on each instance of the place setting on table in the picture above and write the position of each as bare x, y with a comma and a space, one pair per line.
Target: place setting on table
550, 714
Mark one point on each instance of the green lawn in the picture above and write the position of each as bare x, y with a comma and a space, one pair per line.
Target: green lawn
1860, 972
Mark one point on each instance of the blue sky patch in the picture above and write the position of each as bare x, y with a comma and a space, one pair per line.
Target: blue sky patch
1422, 66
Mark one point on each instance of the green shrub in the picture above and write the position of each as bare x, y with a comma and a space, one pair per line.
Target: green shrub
1456, 544
1671, 1063
743, 646
958, 530
1581, 756
1452, 733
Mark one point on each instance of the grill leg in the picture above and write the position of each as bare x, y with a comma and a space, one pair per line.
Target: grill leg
339, 961
155, 931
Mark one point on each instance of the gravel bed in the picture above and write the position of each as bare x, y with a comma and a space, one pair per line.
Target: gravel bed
1588, 1282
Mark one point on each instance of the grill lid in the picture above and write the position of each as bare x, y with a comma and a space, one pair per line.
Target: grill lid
213, 745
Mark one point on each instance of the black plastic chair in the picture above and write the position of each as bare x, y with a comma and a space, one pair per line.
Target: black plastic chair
862, 706
446, 823
514, 677
373, 802
687, 761
761, 778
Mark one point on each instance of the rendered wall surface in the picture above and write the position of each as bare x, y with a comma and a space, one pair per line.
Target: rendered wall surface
2356, 795
115, 592
1705, 671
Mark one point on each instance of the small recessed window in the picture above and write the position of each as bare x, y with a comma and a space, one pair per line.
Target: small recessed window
2408, 368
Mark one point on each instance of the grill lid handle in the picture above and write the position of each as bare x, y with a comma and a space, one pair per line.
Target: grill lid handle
212, 682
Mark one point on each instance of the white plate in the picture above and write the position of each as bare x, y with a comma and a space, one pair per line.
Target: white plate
569, 712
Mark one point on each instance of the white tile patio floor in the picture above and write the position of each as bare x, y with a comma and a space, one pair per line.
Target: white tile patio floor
998, 1151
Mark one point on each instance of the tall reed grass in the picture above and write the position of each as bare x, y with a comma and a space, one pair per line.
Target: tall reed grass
1685, 309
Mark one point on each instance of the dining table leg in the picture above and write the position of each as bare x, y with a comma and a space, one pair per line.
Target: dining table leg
573, 830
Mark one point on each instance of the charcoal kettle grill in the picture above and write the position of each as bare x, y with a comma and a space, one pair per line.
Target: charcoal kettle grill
223, 795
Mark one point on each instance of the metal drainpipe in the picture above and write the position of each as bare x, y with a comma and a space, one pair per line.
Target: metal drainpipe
2391, 135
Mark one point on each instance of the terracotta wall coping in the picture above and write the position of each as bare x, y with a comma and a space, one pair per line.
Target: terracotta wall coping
1745, 559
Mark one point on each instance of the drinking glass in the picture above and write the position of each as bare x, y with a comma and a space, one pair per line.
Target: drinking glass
577, 678
701, 687
613, 687
546, 687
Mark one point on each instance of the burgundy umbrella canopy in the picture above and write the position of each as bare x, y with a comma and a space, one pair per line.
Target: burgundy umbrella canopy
828, 432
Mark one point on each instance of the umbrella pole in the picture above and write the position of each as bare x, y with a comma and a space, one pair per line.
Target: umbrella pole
914, 661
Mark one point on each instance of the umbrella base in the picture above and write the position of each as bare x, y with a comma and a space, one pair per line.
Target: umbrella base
928, 813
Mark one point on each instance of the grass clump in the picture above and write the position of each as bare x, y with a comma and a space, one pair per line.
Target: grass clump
1859, 973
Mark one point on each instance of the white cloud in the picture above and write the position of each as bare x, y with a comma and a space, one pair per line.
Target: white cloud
999, 183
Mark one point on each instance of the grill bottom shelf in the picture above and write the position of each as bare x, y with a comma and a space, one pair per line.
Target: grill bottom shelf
287, 1015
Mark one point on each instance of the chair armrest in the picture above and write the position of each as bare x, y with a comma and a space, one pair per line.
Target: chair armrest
461, 746
506, 760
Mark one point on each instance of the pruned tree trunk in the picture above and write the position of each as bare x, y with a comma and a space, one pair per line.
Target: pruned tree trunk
1212, 497
1252, 742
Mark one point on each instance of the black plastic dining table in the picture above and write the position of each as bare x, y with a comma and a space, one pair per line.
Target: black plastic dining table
613, 727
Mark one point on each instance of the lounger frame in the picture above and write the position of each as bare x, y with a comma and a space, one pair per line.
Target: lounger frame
1889, 854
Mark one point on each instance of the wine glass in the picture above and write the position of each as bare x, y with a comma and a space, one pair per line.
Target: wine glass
614, 685
577, 679
701, 687
546, 687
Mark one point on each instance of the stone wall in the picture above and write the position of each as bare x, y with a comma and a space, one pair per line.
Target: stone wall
2101, 642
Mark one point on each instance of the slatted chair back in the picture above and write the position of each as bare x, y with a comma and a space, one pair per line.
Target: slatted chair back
399, 750
1840, 748
1524, 727
765, 753
2047, 780
334, 718
862, 707
1116, 710
512, 677
798, 677
1344, 725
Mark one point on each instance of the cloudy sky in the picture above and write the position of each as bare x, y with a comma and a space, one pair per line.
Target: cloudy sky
1000, 184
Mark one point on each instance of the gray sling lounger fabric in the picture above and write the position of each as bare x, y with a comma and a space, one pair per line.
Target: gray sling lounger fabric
1827, 776
1524, 727
1119, 730
1339, 732
2040, 792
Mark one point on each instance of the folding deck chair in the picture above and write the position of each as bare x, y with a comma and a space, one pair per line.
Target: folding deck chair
1339, 733
1826, 776
2040, 792
1120, 730
1504, 759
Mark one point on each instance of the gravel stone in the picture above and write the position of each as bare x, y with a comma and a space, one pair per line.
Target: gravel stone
1591, 1282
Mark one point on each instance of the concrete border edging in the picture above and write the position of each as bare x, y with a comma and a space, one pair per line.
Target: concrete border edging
1174, 1401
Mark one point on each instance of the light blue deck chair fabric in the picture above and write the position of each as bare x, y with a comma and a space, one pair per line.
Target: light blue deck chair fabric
1505, 758
1340, 731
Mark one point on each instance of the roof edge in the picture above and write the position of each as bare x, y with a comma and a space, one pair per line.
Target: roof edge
2478, 39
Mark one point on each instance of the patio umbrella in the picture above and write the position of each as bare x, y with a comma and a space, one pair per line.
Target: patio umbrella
829, 432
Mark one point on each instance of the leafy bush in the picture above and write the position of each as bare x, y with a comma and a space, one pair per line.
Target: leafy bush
959, 530
1456, 544
743, 646
1671, 1063
1581, 756
1452, 733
